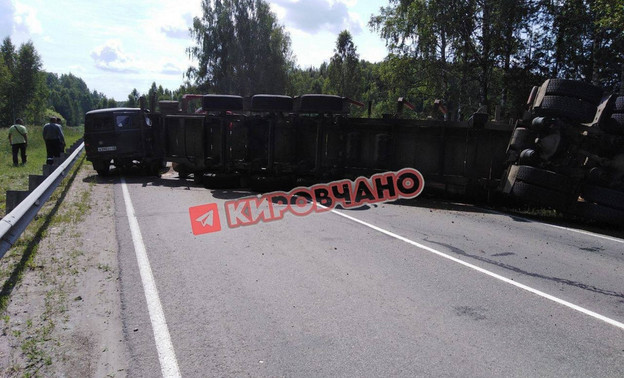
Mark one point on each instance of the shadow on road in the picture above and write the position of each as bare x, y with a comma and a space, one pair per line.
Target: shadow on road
521, 214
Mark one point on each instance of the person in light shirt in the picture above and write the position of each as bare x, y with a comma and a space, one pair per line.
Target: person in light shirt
18, 137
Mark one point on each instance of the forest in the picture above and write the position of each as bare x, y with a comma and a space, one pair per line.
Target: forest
470, 54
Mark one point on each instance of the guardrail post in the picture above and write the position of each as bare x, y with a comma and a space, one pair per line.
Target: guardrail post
14, 198
34, 181
48, 169
22, 206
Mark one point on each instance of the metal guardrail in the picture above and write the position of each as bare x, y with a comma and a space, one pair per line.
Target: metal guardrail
14, 223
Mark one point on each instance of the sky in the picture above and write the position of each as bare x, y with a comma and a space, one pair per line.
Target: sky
118, 45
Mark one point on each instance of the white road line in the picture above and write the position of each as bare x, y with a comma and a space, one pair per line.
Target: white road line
487, 272
583, 232
166, 353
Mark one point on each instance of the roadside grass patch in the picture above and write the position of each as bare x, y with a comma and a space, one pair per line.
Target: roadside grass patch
33, 339
16, 178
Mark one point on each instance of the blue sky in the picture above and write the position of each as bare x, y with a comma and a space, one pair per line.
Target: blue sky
118, 45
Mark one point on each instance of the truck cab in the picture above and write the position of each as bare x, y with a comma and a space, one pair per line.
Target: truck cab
122, 137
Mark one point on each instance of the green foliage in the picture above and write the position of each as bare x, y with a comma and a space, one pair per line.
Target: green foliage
20, 81
344, 67
16, 178
240, 49
157, 93
133, 99
70, 97
488, 52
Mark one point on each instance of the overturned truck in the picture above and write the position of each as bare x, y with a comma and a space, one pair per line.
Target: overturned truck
567, 153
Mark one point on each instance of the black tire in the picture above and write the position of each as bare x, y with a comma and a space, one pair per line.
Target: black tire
183, 172
613, 125
222, 103
271, 103
521, 139
221, 180
603, 196
540, 196
264, 184
576, 89
102, 167
153, 169
599, 213
619, 105
317, 103
198, 178
619, 119
545, 179
567, 107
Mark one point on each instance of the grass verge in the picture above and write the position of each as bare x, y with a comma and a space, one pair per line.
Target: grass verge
16, 178
19, 257
33, 339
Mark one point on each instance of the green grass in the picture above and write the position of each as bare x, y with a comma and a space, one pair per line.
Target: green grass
16, 178
37, 338
20, 257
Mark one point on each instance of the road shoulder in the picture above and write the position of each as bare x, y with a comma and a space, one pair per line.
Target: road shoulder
64, 318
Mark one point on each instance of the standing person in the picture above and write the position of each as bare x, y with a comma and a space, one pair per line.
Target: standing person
62, 139
18, 137
54, 139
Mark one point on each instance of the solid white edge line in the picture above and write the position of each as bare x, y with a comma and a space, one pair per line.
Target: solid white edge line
582, 232
166, 353
487, 272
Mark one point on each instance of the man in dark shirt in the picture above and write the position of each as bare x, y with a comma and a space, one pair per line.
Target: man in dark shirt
54, 138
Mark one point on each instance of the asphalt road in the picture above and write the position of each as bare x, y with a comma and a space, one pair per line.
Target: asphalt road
404, 289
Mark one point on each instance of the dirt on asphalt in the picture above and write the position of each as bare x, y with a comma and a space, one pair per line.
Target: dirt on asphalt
64, 317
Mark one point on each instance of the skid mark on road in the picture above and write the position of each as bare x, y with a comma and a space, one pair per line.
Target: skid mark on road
515, 269
582, 232
166, 353
486, 272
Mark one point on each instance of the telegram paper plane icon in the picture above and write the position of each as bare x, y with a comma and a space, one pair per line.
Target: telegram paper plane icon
205, 219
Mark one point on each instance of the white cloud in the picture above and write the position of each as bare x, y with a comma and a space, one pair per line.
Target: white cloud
170, 68
175, 33
111, 57
314, 16
26, 20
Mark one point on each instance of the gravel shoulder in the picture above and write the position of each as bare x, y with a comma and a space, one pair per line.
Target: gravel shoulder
64, 318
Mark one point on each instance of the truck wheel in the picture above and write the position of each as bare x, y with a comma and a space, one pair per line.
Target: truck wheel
598, 213
318, 103
198, 177
215, 102
221, 180
102, 167
540, 196
521, 139
271, 103
619, 105
264, 184
619, 118
567, 107
613, 125
603, 196
576, 89
545, 179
